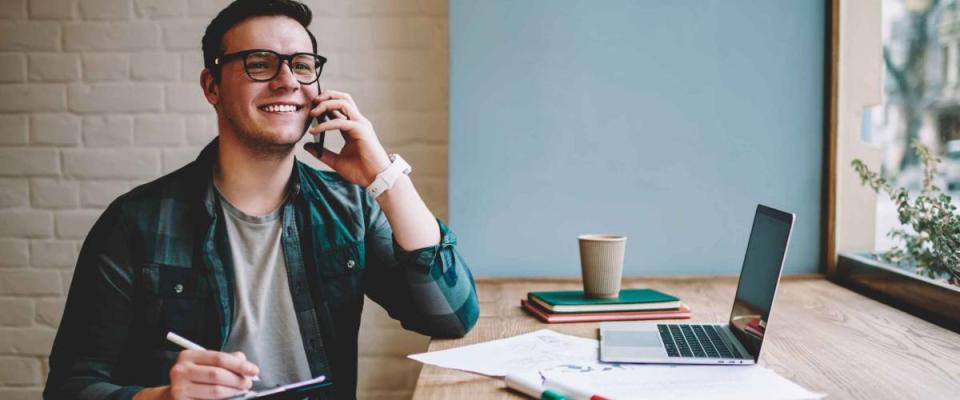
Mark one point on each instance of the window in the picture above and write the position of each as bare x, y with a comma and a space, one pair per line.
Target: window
920, 102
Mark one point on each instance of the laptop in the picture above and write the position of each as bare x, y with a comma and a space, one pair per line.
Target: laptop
736, 342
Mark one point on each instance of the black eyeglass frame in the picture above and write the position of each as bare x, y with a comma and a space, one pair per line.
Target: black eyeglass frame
242, 55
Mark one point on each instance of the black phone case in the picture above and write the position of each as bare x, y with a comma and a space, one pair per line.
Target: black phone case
319, 138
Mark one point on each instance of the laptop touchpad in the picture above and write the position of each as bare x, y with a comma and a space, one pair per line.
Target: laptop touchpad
631, 339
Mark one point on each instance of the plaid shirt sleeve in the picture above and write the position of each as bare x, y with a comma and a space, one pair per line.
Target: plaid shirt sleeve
430, 290
97, 319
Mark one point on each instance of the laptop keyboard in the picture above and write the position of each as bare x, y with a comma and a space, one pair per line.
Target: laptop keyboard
695, 341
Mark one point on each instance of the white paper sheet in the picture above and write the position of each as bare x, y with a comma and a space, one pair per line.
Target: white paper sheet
574, 361
684, 382
532, 351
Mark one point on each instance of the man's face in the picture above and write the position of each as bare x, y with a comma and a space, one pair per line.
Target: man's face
242, 101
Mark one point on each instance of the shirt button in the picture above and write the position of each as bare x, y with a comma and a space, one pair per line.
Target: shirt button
350, 263
178, 288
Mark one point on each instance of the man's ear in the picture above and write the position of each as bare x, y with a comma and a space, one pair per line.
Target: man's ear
211, 90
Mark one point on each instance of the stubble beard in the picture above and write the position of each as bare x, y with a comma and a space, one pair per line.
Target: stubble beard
262, 143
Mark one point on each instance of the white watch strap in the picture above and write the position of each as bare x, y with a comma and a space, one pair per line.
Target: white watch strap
386, 178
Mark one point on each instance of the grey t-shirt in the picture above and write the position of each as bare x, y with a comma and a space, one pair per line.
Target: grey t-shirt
265, 326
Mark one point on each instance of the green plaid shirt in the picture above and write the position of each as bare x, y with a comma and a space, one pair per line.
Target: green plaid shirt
158, 260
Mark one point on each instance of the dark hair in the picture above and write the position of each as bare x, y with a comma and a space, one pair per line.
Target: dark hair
240, 10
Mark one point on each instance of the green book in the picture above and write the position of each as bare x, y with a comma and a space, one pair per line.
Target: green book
570, 301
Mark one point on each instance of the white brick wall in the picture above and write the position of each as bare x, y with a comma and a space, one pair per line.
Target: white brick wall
90, 85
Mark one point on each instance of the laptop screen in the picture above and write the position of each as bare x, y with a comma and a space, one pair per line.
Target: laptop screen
759, 276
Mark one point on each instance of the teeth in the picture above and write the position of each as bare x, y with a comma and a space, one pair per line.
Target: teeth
279, 108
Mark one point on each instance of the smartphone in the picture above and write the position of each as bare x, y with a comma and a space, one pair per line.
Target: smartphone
318, 138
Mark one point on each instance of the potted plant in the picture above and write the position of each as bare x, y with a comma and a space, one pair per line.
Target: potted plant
922, 275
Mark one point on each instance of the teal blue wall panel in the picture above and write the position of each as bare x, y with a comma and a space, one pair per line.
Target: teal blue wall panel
666, 121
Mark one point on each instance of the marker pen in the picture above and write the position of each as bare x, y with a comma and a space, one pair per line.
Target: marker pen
571, 392
532, 387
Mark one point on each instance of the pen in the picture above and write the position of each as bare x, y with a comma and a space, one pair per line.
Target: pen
187, 344
531, 387
571, 392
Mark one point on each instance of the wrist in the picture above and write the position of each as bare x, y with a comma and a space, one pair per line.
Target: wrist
380, 164
397, 187
385, 179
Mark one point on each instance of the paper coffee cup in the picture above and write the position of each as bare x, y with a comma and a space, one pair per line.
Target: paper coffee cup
601, 264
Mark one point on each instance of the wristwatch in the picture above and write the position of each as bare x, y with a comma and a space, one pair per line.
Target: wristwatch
386, 178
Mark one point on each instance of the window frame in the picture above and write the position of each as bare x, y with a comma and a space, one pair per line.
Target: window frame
844, 261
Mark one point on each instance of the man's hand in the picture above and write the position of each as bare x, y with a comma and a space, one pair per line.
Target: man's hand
362, 156
205, 374
359, 162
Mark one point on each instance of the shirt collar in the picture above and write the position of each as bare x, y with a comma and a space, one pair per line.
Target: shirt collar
205, 163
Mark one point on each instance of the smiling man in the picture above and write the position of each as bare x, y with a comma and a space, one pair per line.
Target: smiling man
249, 252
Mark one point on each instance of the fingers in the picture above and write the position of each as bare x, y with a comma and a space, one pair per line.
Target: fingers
203, 391
328, 157
228, 361
205, 374
350, 128
338, 107
349, 106
335, 114
333, 94
218, 376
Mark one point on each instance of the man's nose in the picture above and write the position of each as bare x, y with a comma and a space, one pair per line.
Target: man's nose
285, 78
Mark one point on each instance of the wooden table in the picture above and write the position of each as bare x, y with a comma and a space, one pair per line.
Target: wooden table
822, 336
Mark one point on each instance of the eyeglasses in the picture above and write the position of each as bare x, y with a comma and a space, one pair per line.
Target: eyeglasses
263, 65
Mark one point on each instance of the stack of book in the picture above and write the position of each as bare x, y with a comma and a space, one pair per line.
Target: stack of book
631, 305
